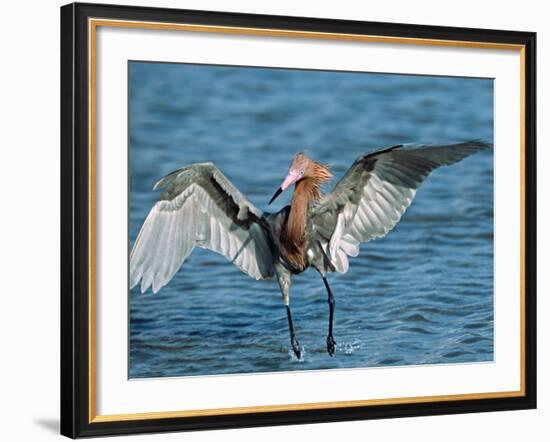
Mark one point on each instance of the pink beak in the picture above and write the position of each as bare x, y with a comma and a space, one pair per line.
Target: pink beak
290, 179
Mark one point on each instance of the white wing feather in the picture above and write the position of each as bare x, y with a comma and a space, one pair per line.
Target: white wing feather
201, 208
374, 194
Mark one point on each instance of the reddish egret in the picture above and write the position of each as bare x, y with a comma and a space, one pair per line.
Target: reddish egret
200, 207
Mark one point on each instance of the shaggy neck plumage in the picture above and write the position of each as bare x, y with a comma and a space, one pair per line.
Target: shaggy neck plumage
307, 191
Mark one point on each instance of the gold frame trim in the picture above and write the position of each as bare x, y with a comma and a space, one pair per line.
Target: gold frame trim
93, 24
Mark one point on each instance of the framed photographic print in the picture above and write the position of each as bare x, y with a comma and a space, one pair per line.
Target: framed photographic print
274, 220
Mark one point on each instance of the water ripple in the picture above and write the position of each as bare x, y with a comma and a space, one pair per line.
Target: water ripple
421, 295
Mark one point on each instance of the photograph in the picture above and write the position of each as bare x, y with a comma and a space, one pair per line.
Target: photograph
273, 219
260, 221
296, 219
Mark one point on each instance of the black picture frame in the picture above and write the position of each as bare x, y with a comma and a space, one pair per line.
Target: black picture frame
75, 220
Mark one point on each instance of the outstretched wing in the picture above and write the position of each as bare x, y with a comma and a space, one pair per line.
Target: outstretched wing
199, 207
374, 193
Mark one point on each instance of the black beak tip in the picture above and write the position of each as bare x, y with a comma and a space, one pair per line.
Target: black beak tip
275, 195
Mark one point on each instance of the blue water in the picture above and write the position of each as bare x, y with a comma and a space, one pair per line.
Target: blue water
421, 295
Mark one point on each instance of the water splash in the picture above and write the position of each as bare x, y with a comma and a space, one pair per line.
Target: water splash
293, 357
349, 348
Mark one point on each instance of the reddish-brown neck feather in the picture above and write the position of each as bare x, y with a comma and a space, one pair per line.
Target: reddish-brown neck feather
307, 190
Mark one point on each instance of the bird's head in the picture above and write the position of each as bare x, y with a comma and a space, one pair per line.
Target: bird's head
303, 168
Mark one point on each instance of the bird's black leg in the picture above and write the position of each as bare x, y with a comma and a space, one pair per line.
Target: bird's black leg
293, 340
331, 344
283, 278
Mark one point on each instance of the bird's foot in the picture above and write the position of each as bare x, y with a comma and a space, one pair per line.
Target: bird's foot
331, 345
296, 347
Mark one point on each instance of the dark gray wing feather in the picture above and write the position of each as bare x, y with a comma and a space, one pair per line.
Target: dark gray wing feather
199, 207
374, 193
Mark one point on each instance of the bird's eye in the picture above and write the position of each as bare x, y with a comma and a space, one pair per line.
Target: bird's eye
301, 171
